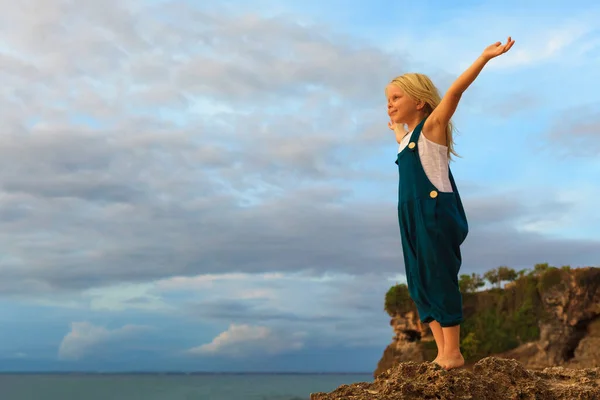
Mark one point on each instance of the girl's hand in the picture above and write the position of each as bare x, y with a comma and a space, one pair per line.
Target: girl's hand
494, 50
391, 125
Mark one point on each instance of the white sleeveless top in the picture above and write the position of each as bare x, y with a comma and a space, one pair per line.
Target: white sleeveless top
434, 158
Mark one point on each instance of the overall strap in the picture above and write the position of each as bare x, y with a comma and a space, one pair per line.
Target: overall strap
414, 137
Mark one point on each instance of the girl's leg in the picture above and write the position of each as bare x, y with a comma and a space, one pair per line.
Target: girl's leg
452, 358
438, 335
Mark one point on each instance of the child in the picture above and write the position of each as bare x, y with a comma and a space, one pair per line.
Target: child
432, 220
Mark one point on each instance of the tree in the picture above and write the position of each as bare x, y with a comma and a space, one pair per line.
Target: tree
506, 274
397, 300
492, 276
539, 269
477, 281
470, 283
464, 283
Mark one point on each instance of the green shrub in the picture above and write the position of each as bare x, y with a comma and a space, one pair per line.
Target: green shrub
398, 301
498, 320
470, 346
525, 326
552, 276
470, 283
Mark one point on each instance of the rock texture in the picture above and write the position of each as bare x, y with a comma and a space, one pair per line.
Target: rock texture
408, 327
587, 353
571, 336
577, 298
491, 379
409, 334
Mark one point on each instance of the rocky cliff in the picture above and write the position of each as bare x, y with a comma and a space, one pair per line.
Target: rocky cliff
571, 335
491, 379
548, 317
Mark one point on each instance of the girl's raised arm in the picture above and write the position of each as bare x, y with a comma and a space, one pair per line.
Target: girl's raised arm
442, 114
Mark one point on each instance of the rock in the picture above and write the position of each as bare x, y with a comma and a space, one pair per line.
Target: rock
491, 379
409, 333
408, 325
555, 346
587, 353
577, 298
397, 352
571, 337
574, 305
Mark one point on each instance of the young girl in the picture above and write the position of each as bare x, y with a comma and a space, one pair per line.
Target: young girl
432, 220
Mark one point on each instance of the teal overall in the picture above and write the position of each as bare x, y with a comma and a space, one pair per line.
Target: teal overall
433, 225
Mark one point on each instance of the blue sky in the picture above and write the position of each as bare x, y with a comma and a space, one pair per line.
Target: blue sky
191, 187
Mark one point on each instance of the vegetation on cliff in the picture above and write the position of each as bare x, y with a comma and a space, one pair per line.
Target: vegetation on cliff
500, 318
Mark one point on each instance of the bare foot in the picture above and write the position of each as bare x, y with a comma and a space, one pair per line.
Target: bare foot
451, 361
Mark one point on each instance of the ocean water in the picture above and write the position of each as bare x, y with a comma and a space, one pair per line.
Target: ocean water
171, 387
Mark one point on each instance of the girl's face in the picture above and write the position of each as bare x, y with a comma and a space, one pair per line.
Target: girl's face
400, 107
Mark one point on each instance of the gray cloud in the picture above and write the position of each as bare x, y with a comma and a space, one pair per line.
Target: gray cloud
349, 307
252, 311
141, 143
576, 132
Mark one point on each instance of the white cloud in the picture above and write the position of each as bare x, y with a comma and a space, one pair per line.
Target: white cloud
552, 44
186, 283
257, 294
245, 340
126, 296
85, 337
212, 281
560, 37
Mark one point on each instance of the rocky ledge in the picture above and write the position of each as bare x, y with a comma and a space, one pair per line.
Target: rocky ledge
490, 379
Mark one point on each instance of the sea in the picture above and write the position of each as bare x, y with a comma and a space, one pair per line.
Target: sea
171, 386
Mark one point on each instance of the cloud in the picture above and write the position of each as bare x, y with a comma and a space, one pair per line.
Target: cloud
126, 297
353, 238
340, 305
557, 37
85, 339
552, 45
99, 187
245, 340
575, 132
143, 142
270, 299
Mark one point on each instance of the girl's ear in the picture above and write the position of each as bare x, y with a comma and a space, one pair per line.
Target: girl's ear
420, 104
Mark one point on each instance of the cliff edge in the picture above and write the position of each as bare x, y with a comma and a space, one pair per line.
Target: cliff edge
491, 379
541, 318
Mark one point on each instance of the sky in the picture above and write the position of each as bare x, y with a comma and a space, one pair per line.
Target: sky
193, 187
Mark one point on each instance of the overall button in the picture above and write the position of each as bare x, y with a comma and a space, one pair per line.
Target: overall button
433, 194
411, 145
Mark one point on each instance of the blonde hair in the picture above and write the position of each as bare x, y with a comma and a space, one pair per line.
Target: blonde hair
420, 88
